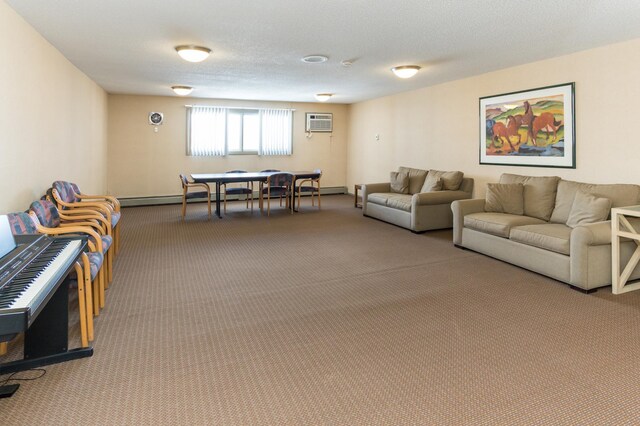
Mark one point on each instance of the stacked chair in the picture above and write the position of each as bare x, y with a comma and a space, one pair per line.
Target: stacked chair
68, 196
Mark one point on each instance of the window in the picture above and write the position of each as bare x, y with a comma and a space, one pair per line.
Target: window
243, 131
219, 131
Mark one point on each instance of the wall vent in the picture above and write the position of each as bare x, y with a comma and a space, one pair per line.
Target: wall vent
319, 122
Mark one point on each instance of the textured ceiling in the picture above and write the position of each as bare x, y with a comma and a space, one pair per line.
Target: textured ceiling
127, 46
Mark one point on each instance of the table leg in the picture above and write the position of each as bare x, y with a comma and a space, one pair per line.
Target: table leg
218, 200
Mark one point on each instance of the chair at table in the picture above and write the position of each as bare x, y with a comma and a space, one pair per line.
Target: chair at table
278, 184
261, 186
115, 215
21, 224
311, 185
247, 191
186, 195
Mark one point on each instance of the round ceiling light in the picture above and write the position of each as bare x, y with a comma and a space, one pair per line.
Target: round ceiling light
193, 53
324, 97
315, 59
182, 90
406, 71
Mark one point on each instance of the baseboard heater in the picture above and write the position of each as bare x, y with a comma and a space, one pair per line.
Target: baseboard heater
177, 199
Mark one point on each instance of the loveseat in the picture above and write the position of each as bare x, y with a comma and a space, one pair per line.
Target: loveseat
416, 199
554, 227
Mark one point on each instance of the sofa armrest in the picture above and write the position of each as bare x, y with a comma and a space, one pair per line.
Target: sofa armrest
460, 209
370, 188
438, 197
591, 234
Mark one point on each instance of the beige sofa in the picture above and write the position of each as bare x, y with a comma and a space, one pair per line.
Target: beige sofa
540, 239
417, 210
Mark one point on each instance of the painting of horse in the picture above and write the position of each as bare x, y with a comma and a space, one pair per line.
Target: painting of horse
534, 127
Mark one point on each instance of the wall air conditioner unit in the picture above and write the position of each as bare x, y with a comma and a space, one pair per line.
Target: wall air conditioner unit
319, 122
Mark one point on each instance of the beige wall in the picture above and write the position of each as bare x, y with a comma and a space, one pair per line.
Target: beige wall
52, 118
437, 127
145, 163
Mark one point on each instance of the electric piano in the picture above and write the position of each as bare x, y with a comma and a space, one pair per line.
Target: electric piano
34, 296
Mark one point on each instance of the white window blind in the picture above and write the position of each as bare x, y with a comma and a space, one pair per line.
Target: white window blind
218, 131
276, 132
207, 131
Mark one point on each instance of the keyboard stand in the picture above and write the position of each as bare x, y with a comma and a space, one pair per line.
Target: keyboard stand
46, 341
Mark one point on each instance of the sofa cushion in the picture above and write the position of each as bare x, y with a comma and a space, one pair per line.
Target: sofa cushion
499, 224
378, 198
539, 193
620, 194
416, 178
450, 180
548, 236
505, 198
432, 183
392, 200
588, 208
399, 182
400, 202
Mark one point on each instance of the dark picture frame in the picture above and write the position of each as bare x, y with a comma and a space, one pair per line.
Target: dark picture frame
533, 128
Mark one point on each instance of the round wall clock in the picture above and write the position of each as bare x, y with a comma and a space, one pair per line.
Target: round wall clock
155, 118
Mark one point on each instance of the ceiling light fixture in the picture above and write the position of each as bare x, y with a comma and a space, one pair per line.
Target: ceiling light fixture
315, 59
193, 53
406, 71
182, 90
324, 97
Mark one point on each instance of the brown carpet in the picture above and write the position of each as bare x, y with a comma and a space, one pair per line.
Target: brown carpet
326, 317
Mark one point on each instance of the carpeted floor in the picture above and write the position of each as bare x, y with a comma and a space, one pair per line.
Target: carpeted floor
329, 318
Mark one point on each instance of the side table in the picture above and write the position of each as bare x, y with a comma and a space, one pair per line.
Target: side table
621, 228
357, 202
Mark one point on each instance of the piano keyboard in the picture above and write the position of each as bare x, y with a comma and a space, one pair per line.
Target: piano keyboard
28, 289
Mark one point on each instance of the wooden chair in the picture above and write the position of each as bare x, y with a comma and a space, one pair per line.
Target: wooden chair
311, 185
186, 195
115, 215
247, 191
279, 184
90, 215
261, 186
46, 217
65, 197
22, 223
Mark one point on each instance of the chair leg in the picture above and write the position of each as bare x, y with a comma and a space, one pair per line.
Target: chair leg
3, 348
116, 232
88, 295
184, 206
209, 205
84, 340
224, 200
319, 205
108, 260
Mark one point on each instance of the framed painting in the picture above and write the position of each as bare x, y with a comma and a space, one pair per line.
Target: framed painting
530, 128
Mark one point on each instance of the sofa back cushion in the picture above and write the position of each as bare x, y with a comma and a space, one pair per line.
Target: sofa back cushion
620, 194
399, 182
416, 178
588, 208
432, 183
505, 198
450, 180
539, 193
